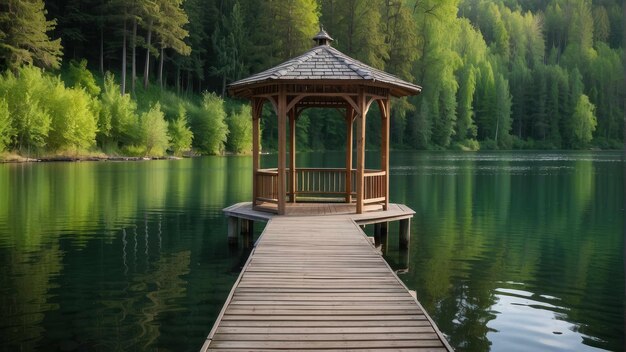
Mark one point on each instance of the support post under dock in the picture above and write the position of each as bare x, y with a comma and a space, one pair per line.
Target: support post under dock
404, 234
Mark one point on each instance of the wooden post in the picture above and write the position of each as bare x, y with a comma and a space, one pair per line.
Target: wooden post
349, 121
360, 151
404, 235
384, 148
377, 234
257, 106
292, 155
246, 232
232, 230
383, 236
282, 146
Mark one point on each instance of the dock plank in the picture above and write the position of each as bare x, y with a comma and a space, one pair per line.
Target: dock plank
319, 284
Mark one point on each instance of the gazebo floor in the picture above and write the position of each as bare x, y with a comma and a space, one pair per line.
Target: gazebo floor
373, 213
314, 208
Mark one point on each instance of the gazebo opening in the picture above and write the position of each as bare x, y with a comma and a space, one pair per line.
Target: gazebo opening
323, 77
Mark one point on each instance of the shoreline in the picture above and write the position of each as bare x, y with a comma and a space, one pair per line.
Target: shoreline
17, 159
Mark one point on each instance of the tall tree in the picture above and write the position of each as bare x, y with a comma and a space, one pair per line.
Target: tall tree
23, 35
150, 14
230, 45
360, 31
288, 27
583, 122
169, 29
503, 113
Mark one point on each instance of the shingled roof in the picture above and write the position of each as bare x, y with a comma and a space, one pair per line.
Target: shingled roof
325, 63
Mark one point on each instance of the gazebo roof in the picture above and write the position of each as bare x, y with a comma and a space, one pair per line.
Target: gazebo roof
324, 64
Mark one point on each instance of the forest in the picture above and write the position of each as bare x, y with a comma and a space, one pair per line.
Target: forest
149, 77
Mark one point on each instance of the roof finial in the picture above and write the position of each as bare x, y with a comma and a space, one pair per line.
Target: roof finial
322, 38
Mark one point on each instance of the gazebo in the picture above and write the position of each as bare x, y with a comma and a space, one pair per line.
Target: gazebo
322, 77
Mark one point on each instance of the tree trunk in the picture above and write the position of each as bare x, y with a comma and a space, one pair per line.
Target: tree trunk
101, 49
134, 59
124, 60
178, 80
146, 68
497, 128
161, 66
223, 85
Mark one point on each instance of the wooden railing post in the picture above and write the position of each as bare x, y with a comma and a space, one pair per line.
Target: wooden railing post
349, 127
282, 146
360, 153
257, 106
384, 162
292, 155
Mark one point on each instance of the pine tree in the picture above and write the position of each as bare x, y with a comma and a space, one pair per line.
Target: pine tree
230, 45
286, 28
23, 35
180, 134
169, 29
503, 113
360, 31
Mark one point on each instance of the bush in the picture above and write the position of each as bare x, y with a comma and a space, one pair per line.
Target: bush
180, 134
488, 144
29, 118
468, 145
240, 130
6, 130
154, 132
117, 122
73, 123
209, 126
79, 76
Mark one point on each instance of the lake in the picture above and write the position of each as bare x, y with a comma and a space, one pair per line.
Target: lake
509, 250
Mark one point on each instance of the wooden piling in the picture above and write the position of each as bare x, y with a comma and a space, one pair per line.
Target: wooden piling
404, 235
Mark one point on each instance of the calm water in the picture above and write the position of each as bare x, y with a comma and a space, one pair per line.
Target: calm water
509, 251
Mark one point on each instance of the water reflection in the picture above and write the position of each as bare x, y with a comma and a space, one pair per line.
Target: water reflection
552, 222
519, 314
134, 256
115, 256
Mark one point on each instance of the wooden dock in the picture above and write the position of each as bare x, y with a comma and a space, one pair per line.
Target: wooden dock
318, 283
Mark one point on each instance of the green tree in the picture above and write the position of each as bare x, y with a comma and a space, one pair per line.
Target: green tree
240, 127
79, 76
209, 125
117, 122
287, 29
154, 135
360, 31
583, 122
6, 129
503, 113
23, 35
73, 123
438, 28
30, 119
400, 39
170, 30
180, 134
601, 24
230, 45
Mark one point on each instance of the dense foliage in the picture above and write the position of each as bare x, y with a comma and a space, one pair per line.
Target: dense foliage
496, 74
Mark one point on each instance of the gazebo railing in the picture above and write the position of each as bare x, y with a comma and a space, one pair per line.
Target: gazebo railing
374, 187
322, 182
311, 181
267, 185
